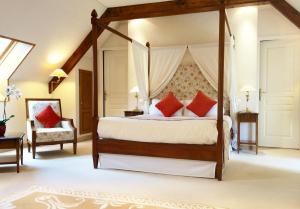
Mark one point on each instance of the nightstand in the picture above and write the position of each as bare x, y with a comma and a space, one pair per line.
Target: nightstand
130, 113
247, 117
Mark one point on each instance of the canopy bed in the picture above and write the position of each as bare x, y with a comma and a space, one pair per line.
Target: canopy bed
157, 138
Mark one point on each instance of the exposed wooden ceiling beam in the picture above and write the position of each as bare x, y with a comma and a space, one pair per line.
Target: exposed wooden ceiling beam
170, 8
287, 10
75, 57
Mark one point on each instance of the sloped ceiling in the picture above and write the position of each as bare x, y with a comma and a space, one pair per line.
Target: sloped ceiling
55, 26
295, 4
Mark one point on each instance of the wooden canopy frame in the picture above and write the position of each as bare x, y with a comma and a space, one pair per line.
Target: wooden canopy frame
167, 8
214, 153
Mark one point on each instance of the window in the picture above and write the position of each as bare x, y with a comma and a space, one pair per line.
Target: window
12, 54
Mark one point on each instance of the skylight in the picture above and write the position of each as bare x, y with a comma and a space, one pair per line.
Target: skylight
12, 54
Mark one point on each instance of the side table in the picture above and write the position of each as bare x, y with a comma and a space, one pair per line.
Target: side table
12, 141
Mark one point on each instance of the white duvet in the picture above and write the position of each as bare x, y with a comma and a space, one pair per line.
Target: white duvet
156, 129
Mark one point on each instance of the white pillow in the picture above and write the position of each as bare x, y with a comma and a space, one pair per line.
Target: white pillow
154, 111
213, 112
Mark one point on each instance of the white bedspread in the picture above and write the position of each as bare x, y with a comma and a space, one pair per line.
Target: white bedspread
175, 130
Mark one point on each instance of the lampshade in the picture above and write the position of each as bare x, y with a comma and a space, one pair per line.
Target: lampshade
135, 90
60, 73
247, 88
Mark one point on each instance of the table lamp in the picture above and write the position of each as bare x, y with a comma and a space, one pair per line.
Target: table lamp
136, 91
247, 89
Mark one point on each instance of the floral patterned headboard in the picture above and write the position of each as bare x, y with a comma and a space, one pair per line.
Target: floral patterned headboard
187, 81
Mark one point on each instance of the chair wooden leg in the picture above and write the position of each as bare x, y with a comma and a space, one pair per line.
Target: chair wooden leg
33, 151
61, 146
75, 148
28, 146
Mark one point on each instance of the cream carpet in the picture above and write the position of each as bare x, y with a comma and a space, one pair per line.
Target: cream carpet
270, 180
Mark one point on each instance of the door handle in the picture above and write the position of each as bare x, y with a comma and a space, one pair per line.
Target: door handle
261, 92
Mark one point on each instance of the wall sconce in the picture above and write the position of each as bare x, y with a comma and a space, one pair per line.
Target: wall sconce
58, 73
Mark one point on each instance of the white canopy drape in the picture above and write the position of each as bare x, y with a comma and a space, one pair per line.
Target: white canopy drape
206, 57
164, 64
233, 85
140, 59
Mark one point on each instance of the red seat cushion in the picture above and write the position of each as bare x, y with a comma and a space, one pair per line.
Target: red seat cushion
48, 118
169, 105
201, 104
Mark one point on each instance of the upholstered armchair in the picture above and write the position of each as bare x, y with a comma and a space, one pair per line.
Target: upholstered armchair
38, 135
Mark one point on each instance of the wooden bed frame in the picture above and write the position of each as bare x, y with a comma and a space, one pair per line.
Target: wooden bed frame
214, 153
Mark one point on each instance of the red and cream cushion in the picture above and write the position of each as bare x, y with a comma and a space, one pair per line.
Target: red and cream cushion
154, 111
169, 105
201, 104
48, 118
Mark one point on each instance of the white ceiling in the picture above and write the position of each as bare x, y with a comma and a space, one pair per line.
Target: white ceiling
56, 27
118, 3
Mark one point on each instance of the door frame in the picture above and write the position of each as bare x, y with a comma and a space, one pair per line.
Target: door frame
259, 62
79, 104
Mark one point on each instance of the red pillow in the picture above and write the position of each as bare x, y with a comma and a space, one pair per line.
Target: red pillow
48, 118
169, 105
201, 104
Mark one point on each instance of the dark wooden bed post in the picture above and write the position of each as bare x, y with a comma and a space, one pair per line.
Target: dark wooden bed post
220, 142
149, 60
95, 87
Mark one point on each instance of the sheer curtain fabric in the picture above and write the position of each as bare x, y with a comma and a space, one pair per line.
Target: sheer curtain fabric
140, 59
164, 63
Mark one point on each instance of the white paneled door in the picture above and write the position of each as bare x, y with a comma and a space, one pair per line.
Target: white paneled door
279, 94
116, 82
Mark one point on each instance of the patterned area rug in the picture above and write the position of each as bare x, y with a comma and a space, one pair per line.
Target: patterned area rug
49, 198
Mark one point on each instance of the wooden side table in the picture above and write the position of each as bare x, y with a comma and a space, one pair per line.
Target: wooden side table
13, 141
247, 117
129, 113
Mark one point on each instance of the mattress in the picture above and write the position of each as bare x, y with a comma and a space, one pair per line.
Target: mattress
156, 129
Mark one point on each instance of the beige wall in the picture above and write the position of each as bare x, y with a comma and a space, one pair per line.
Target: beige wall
273, 24
29, 89
243, 22
68, 91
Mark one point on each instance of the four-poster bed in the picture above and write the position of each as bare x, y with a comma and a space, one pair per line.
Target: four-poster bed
203, 152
